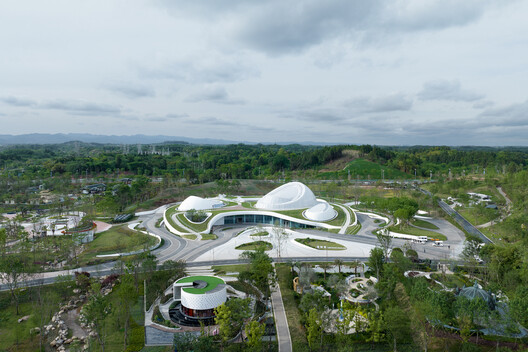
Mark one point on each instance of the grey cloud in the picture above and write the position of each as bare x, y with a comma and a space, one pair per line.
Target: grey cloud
215, 95
393, 102
218, 70
77, 107
81, 107
132, 91
483, 104
167, 117
278, 27
18, 102
511, 115
447, 90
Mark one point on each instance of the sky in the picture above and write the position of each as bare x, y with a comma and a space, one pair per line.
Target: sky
398, 72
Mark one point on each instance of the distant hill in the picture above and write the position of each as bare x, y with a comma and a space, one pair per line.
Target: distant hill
47, 138
365, 169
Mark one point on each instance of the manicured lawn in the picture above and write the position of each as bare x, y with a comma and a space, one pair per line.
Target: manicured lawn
410, 230
340, 219
295, 213
119, 239
229, 268
352, 230
255, 245
209, 236
320, 244
260, 234
211, 281
297, 331
424, 224
193, 226
190, 237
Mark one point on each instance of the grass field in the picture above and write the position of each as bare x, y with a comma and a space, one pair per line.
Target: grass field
254, 246
118, 239
477, 218
424, 224
190, 237
410, 230
320, 244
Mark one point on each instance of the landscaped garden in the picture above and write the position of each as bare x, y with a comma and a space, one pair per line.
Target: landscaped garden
251, 246
320, 244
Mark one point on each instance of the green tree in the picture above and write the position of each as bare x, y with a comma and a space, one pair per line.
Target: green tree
314, 330
398, 325
254, 333
376, 261
96, 312
231, 315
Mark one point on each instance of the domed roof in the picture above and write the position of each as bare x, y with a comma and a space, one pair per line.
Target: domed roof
320, 212
198, 203
293, 195
475, 291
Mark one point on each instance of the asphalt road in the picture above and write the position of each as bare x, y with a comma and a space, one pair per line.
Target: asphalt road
178, 248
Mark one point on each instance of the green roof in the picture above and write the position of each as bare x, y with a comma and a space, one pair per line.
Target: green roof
211, 281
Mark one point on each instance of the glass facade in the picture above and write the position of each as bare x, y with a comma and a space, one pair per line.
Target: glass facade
263, 219
199, 314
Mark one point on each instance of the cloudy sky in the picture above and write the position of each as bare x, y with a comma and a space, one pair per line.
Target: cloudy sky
396, 72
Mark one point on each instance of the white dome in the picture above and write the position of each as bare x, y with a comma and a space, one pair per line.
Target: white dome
198, 203
293, 195
320, 212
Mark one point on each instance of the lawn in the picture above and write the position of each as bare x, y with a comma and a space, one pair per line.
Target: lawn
352, 230
251, 246
424, 224
365, 169
190, 237
477, 217
211, 281
320, 244
340, 219
410, 230
260, 234
297, 331
118, 239
222, 269
209, 236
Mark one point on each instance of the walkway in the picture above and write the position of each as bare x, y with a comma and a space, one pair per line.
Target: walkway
281, 322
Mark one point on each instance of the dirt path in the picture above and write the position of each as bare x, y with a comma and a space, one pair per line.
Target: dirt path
70, 319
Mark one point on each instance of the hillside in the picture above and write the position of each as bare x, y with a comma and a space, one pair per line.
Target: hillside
364, 169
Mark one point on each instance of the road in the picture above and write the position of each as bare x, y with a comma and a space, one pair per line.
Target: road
177, 248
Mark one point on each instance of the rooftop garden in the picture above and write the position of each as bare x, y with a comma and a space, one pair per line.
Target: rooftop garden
212, 283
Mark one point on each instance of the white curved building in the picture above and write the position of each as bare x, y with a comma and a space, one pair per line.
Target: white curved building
320, 212
199, 295
293, 195
198, 203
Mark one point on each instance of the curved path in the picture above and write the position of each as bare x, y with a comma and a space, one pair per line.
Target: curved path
177, 248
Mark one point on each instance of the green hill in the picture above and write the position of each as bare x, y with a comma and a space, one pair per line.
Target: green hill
364, 168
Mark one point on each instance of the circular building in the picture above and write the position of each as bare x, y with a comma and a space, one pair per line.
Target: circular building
199, 296
198, 203
320, 212
293, 195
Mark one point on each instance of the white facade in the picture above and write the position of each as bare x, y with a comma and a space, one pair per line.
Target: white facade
293, 195
207, 300
198, 203
321, 212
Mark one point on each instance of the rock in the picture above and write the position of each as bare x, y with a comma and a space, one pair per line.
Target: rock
24, 318
82, 297
68, 341
35, 330
53, 343
76, 291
